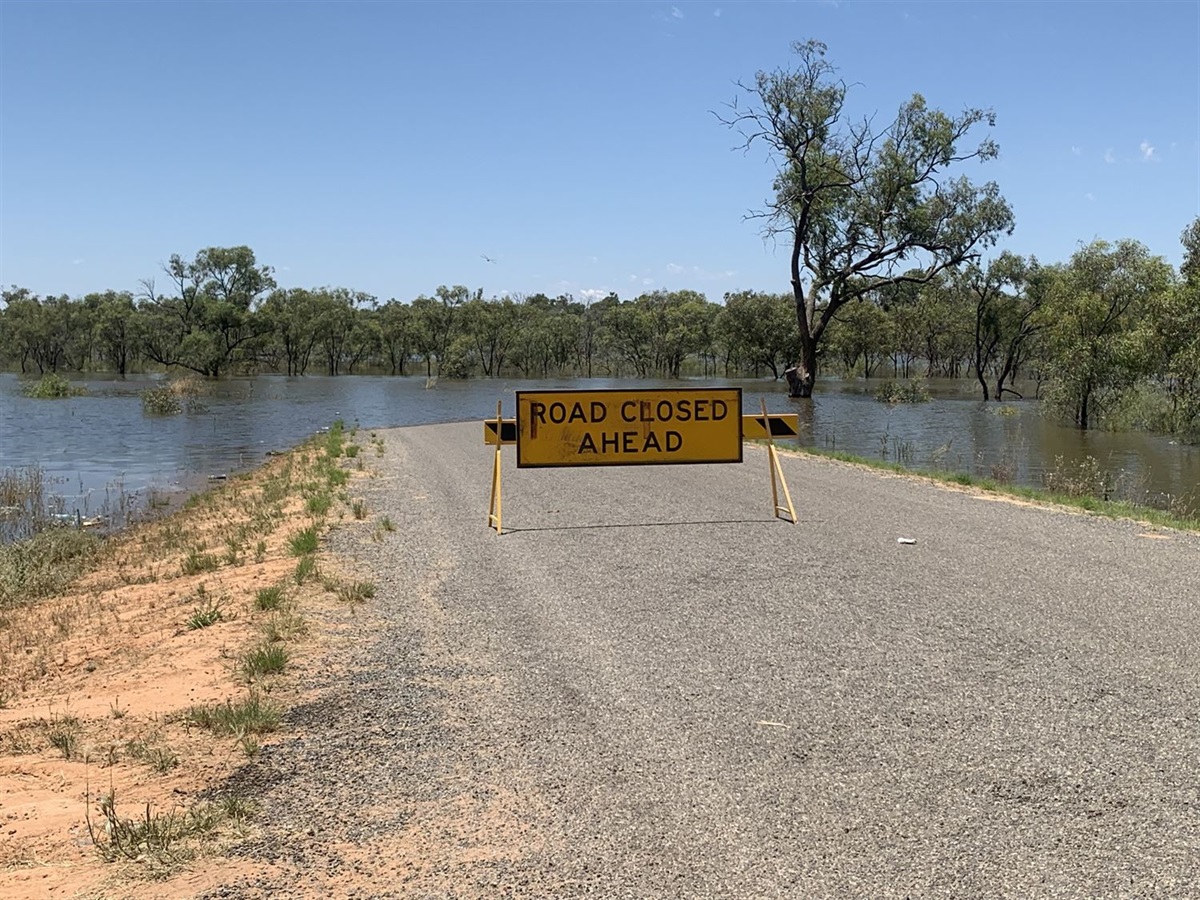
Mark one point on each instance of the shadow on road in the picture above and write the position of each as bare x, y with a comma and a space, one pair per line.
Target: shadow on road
510, 530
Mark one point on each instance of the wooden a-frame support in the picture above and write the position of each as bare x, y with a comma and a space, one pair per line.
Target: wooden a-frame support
494, 508
777, 472
776, 469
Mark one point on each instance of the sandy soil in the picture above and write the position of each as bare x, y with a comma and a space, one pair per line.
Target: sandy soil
93, 687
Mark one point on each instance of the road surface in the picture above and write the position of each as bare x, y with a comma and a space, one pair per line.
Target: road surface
651, 688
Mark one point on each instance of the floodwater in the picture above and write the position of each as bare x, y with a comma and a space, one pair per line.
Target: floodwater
104, 456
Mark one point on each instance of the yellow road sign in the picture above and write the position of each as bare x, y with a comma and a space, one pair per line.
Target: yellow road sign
625, 428
782, 425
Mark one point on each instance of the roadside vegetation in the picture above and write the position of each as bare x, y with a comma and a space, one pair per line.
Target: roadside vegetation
150, 663
1085, 485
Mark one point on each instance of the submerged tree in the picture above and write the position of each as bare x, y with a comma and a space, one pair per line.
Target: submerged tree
1090, 314
862, 206
209, 321
1005, 320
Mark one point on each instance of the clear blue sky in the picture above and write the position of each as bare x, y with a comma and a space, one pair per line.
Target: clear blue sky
387, 147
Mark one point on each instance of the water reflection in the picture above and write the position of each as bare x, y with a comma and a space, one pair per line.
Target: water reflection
100, 447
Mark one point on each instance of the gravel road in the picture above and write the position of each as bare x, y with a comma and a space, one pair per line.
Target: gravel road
651, 688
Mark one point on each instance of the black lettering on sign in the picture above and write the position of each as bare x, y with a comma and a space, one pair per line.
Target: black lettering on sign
537, 414
626, 413
645, 411
720, 410
627, 441
685, 411
558, 413
577, 413
588, 444
651, 443
702, 411
665, 410
609, 443
599, 411
674, 441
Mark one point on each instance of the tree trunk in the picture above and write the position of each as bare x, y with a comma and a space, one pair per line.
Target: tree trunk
802, 376
983, 382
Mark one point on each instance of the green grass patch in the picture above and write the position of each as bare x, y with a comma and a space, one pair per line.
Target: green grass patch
318, 504
306, 569
63, 733
303, 542
269, 598
275, 490
284, 625
159, 758
335, 440
204, 616
336, 477
198, 561
356, 591
161, 840
252, 715
266, 659
45, 564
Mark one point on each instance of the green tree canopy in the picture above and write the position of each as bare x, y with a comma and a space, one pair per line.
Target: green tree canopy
860, 205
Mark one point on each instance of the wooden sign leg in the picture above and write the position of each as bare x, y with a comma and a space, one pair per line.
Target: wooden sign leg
494, 506
777, 472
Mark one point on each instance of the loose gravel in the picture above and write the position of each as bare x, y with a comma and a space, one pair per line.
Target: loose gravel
652, 688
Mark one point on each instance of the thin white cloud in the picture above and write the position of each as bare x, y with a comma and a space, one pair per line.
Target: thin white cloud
676, 12
593, 294
77, 262
717, 13
1089, 196
1076, 151
1148, 152
1108, 156
699, 273
647, 281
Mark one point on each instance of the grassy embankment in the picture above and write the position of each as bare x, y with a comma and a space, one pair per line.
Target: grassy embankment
138, 671
1077, 487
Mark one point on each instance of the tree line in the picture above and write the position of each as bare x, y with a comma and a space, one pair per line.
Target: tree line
1111, 322
223, 313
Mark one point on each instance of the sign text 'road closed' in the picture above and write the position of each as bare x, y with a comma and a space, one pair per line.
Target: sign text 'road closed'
625, 428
